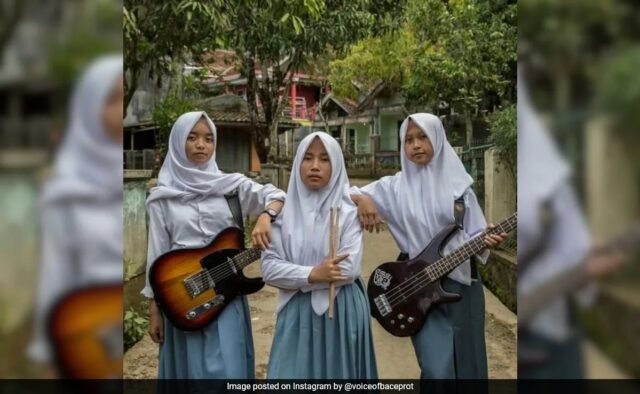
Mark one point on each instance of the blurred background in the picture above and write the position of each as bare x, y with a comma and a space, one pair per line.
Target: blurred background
44, 47
579, 181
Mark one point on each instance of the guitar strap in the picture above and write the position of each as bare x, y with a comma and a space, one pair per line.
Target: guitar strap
458, 214
459, 210
236, 209
547, 219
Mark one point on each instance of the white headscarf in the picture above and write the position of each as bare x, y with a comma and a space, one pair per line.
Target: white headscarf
89, 163
541, 169
544, 176
180, 177
426, 194
303, 237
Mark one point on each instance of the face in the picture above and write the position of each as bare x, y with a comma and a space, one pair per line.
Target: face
112, 112
199, 146
315, 169
417, 145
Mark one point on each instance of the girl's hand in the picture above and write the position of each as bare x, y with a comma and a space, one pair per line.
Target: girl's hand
492, 241
368, 213
328, 271
261, 234
156, 325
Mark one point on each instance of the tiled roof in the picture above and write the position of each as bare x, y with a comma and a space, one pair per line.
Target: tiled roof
239, 117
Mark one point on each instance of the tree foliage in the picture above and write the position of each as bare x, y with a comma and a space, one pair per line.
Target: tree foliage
281, 37
461, 52
158, 35
504, 134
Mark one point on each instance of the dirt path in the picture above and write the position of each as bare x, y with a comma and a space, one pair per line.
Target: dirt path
395, 356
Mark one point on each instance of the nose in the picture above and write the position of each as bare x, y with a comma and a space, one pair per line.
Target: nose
315, 165
199, 143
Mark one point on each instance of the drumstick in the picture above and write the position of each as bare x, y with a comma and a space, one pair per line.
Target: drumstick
334, 242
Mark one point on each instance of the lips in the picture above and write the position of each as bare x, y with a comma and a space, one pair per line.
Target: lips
315, 177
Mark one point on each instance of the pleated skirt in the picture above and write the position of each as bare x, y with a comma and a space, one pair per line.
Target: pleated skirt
222, 350
451, 343
308, 346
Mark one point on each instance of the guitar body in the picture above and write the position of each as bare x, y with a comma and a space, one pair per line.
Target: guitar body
172, 280
85, 329
403, 313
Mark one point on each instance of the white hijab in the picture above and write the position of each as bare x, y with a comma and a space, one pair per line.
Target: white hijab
544, 175
89, 163
542, 171
425, 194
179, 177
303, 237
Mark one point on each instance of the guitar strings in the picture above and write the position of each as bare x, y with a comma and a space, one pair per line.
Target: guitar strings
221, 272
415, 284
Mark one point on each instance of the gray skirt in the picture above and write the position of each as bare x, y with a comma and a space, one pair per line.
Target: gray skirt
222, 350
451, 343
308, 346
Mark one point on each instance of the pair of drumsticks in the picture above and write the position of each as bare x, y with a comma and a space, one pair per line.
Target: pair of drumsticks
334, 243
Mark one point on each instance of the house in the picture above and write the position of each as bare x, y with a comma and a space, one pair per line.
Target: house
223, 75
225, 102
367, 128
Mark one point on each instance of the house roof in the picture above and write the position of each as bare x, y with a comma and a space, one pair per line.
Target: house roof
224, 68
349, 106
368, 98
231, 109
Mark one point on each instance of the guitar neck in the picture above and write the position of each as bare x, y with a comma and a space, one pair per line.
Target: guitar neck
533, 302
246, 257
464, 252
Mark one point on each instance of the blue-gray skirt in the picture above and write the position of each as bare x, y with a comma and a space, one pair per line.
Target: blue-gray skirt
451, 343
308, 346
222, 350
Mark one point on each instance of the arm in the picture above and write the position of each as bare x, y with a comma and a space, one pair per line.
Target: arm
278, 272
474, 221
350, 267
255, 199
159, 243
374, 202
56, 270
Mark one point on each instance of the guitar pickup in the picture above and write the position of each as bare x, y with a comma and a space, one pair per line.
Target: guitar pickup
200, 309
383, 305
198, 283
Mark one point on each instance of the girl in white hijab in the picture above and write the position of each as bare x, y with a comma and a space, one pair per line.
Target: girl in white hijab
307, 344
417, 203
187, 210
81, 205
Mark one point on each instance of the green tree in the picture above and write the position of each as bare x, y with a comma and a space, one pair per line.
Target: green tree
504, 134
281, 37
467, 53
460, 52
162, 35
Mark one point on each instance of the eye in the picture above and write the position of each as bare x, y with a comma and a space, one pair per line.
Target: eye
191, 137
306, 158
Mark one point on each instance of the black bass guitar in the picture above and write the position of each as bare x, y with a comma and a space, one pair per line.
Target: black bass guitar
402, 294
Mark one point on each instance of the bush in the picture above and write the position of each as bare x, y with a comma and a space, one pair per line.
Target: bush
504, 134
135, 326
618, 90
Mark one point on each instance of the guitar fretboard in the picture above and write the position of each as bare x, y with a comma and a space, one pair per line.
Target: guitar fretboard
246, 257
464, 252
